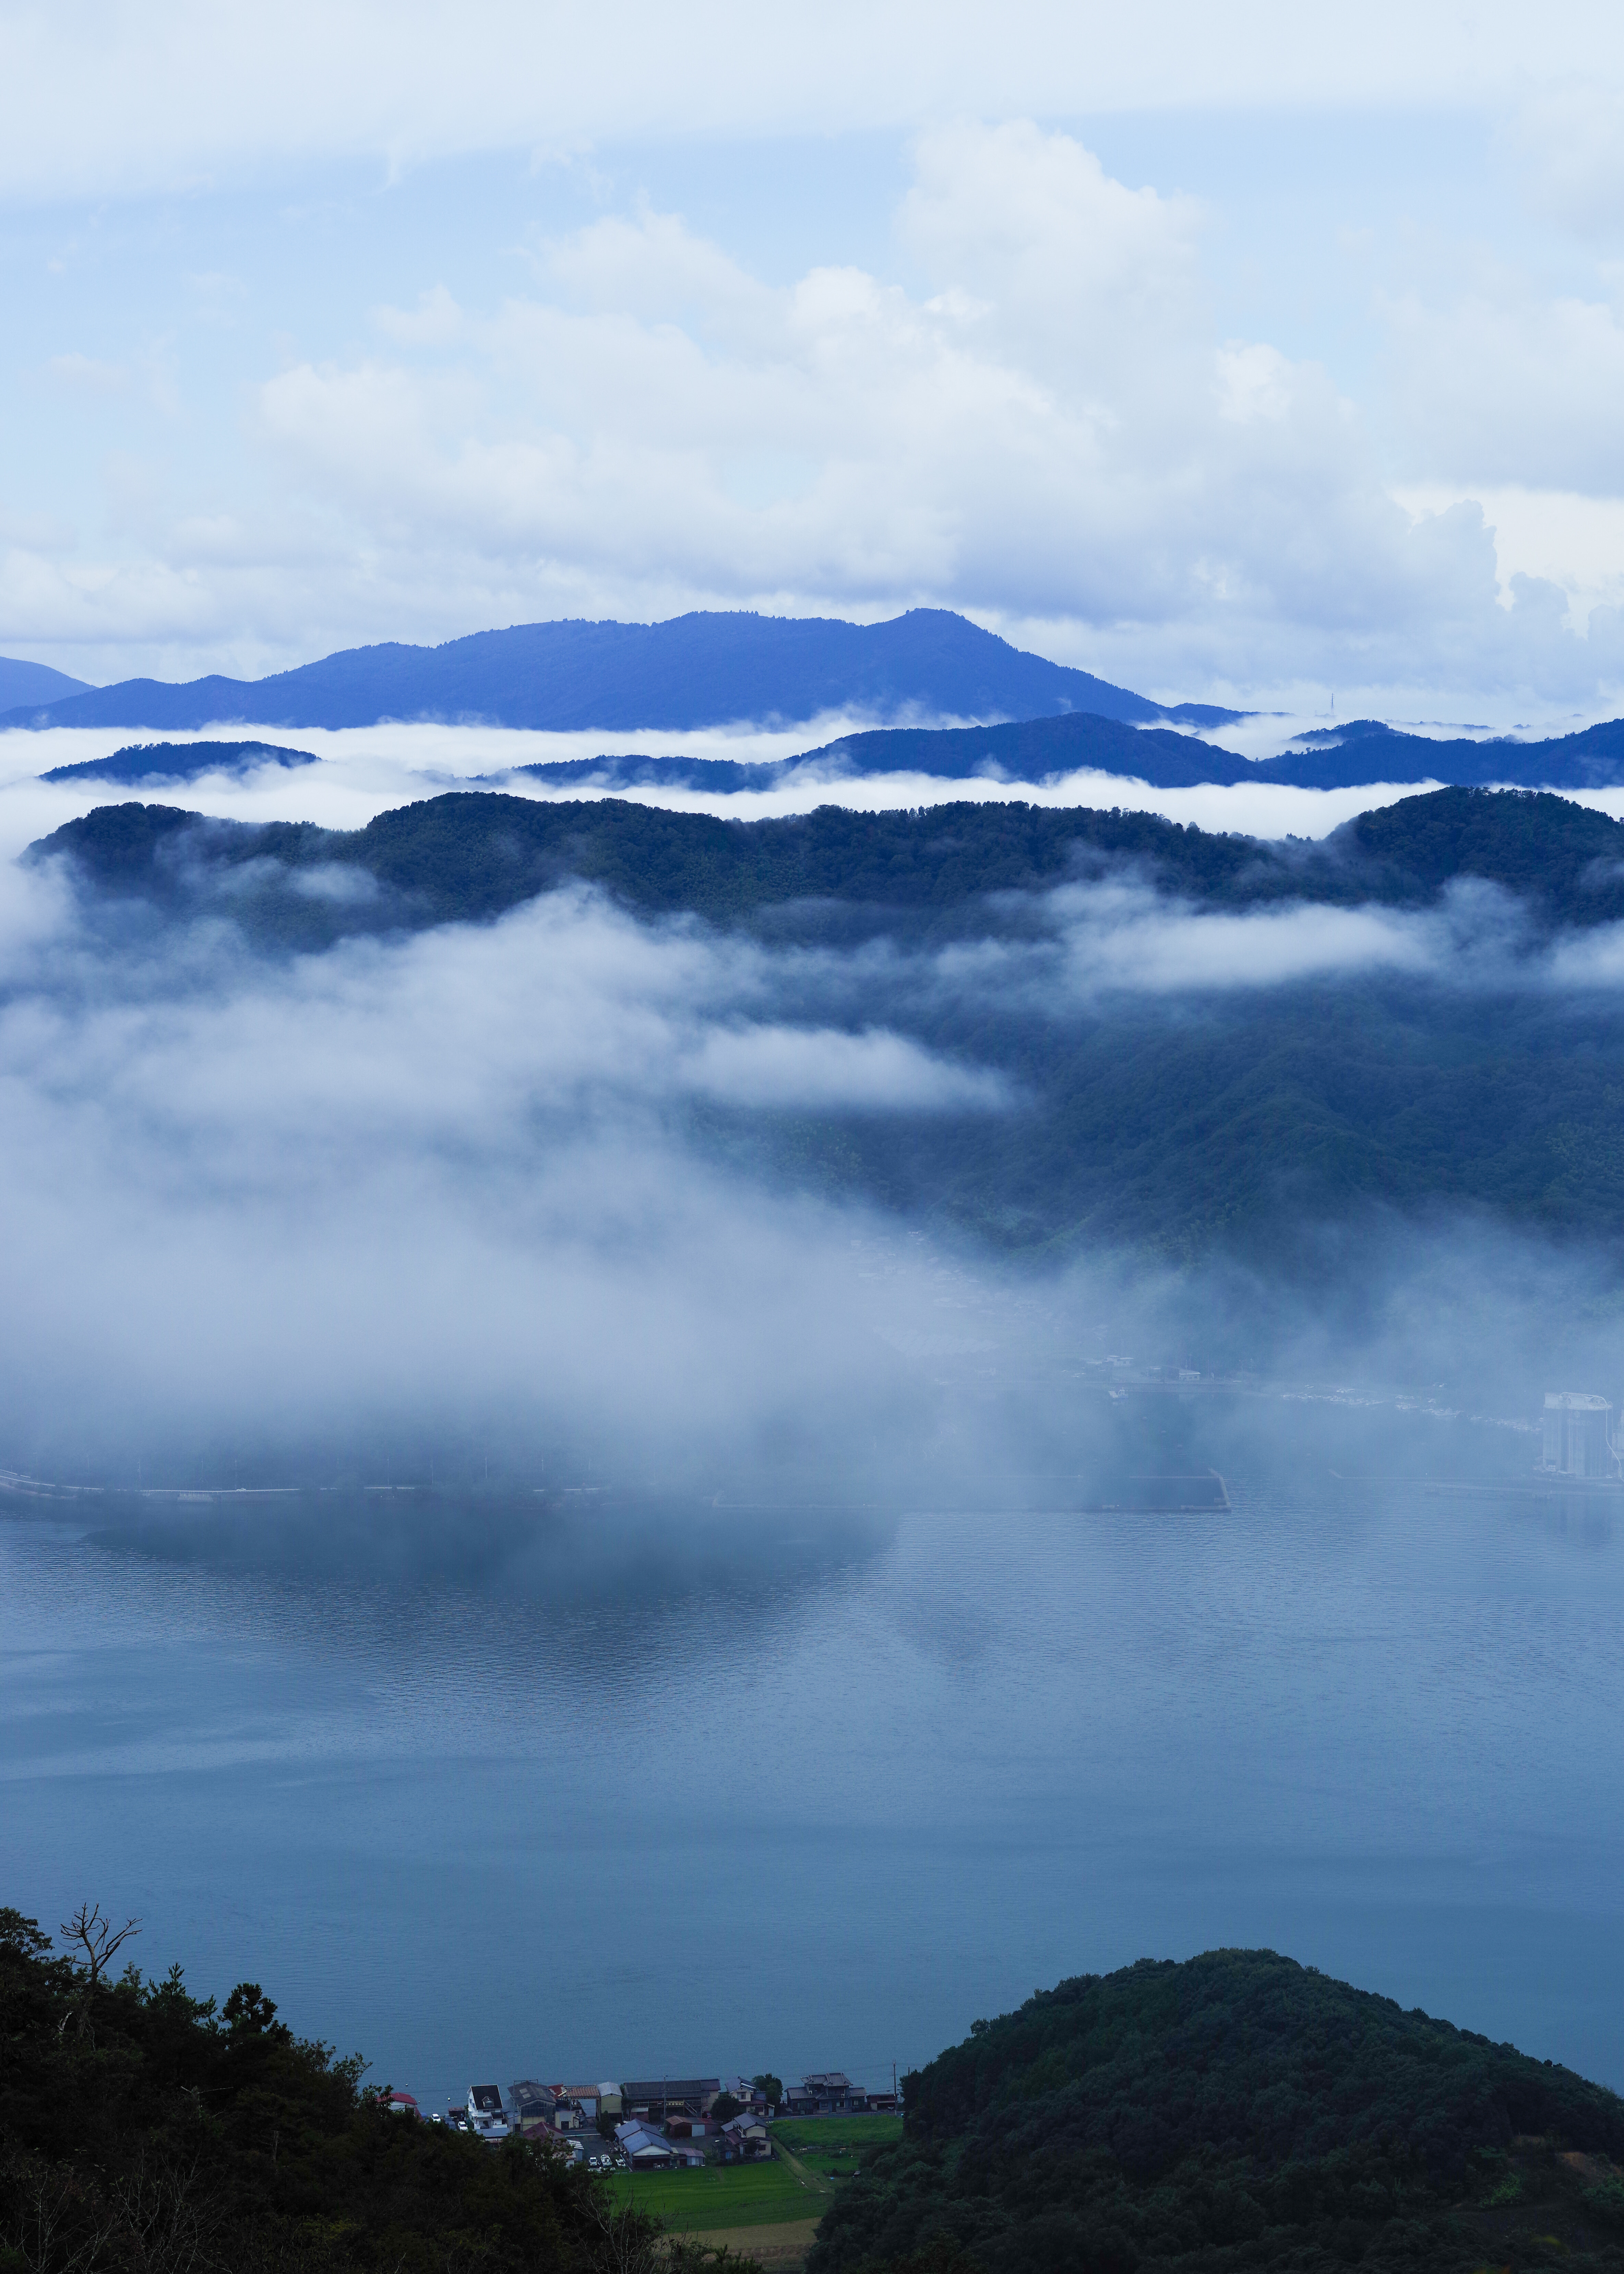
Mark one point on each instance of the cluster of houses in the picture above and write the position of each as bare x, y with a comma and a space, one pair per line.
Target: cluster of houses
653, 2123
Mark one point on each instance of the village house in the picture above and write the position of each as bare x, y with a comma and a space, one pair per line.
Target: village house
643, 2146
829, 2092
486, 2114
530, 2103
659, 2097
745, 2136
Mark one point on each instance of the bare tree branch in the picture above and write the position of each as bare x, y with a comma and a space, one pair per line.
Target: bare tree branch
99, 1939
165, 2229
54, 2206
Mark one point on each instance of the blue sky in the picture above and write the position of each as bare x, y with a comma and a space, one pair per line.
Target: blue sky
1240, 355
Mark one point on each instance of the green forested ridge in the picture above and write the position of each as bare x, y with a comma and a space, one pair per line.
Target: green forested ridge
1236, 2111
1237, 1120
142, 2131
471, 854
1179, 1120
139, 762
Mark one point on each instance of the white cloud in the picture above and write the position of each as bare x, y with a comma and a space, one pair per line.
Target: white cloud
1507, 386
1054, 430
434, 322
89, 372
1567, 133
1555, 537
421, 1179
1045, 427
1119, 939
124, 97
781, 1066
426, 1177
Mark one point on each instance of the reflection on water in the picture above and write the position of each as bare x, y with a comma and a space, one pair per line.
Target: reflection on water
815, 1789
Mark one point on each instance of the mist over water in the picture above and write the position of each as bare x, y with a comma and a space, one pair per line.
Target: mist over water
554, 1564
831, 1806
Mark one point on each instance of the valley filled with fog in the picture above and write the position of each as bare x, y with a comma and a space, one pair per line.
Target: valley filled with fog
539, 1424
811, 1139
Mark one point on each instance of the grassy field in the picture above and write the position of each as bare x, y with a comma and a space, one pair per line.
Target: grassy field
722, 2195
833, 2147
809, 2161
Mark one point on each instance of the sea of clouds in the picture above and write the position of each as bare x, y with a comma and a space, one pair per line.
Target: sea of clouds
469, 1180
363, 771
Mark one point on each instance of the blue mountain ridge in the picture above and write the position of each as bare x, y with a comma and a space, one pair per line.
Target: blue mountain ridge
180, 761
1036, 750
22, 684
693, 670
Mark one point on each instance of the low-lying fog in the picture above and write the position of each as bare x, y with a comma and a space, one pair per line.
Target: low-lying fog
366, 771
735, 1679
413, 1206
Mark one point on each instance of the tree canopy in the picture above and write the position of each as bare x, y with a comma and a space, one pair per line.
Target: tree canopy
145, 2131
1237, 2111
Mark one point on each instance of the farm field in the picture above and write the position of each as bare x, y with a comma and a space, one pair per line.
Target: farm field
722, 2195
833, 2147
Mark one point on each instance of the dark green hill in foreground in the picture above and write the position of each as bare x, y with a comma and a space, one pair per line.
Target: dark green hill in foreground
142, 2131
1236, 2111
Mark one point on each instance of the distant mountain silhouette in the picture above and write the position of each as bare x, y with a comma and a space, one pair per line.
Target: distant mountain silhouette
22, 684
1028, 751
1039, 749
180, 761
701, 670
1365, 750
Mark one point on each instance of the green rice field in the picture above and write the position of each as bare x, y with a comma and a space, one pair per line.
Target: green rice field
833, 2147
722, 2195
810, 2159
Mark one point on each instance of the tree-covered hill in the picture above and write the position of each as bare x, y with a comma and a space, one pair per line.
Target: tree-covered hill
471, 854
1236, 2112
1364, 751
1367, 750
165, 762
1023, 750
1045, 749
1186, 1119
143, 2131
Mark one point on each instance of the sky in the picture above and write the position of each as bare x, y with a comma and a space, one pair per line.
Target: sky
1263, 355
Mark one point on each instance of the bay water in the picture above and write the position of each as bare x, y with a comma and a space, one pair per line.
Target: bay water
847, 1786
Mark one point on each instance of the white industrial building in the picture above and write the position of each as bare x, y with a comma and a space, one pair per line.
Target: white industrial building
1579, 1441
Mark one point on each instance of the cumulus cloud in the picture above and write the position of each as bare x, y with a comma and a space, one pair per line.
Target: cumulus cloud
1053, 429
1502, 384
1046, 426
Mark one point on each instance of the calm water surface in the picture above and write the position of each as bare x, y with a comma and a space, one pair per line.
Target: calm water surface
828, 1815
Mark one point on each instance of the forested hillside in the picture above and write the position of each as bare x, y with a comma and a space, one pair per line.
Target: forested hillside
147, 2131
1180, 1115
167, 762
471, 854
1238, 2110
